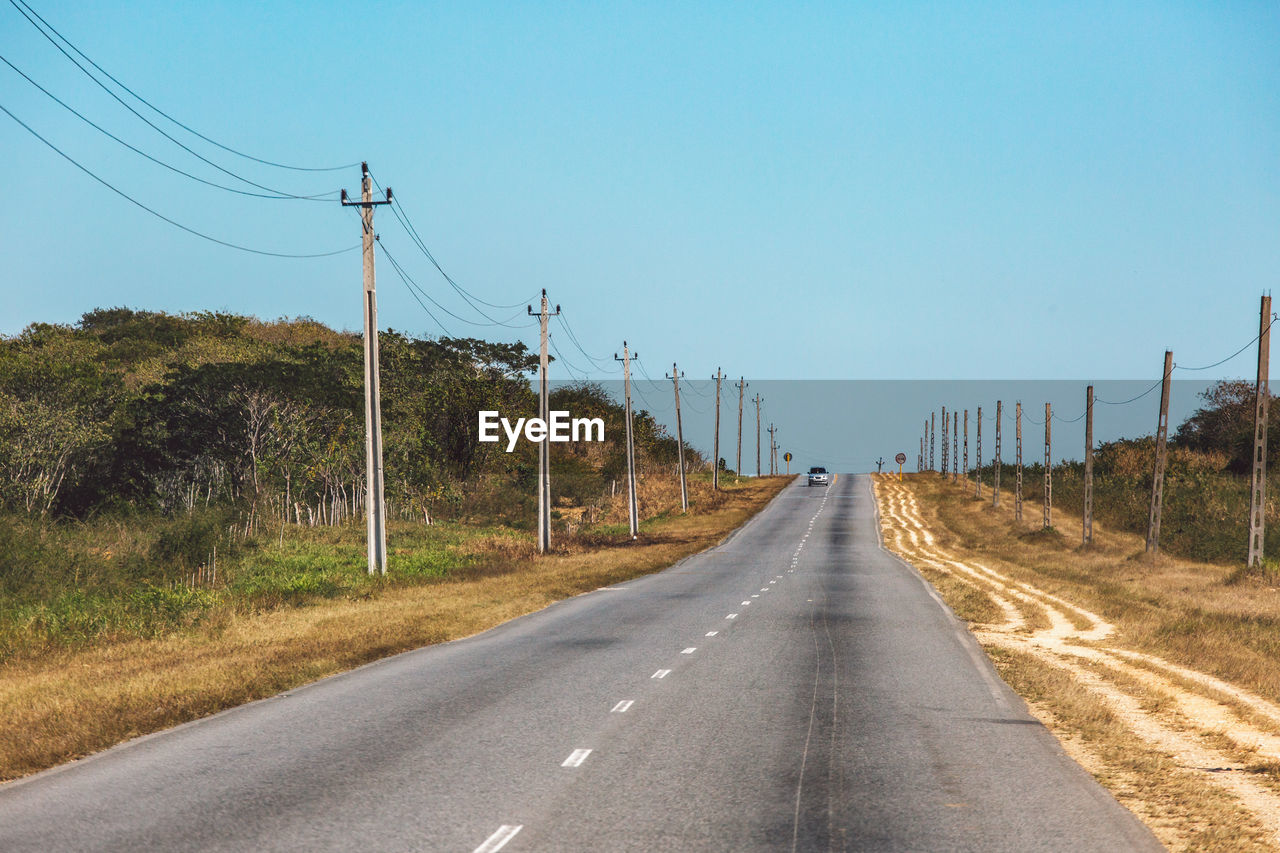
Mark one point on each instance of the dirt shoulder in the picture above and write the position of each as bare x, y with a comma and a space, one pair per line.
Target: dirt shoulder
66, 705
1154, 674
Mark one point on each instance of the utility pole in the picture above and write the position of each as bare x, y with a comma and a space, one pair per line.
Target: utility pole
879, 465
1017, 483
1087, 535
978, 459
945, 423
632, 514
715, 463
742, 387
375, 503
920, 456
955, 447
1157, 475
544, 316
684, 490
1261, 405
966, 444
995, 463
773, 467
1048, 467
933, 434
924, 443
757, 402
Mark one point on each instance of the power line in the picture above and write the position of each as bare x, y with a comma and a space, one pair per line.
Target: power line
404, 278
573, 338
1233, 355
161, 216
153, 125
411, 281
139, 151
159, 111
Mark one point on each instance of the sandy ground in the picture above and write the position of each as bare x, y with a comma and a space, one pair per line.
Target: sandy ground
1194, 712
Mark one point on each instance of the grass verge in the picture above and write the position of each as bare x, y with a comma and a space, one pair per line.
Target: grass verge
60, 702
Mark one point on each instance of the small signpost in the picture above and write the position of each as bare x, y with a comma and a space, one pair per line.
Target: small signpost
787, 457
901, 459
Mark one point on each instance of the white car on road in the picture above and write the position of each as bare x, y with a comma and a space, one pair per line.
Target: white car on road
819, 477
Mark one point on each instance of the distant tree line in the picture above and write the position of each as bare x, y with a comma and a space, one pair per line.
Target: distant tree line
129, 411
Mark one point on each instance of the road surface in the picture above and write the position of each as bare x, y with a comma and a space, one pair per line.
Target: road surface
796, 688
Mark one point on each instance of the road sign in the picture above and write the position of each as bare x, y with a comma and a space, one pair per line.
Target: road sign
787, 457
901, 458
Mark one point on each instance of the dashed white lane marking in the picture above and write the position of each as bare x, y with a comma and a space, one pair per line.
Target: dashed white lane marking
779, 577
689, 650
764, 589
662, 673
753, 595
499, 839
732, 616
576, 758
773, 582
621, 707
746, 604
712, 633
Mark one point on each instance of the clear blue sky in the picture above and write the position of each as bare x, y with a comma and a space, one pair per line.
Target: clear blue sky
897, 190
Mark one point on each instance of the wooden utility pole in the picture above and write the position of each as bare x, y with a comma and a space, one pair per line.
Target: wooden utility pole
1261, 405
544, 316
995, 463
978, 458
1017, 481
757, 402
1048, 467
946, 422
742, 387
715, 463
633, 516
966, 444
1157, 474
684, 489
1087, 535
375, 503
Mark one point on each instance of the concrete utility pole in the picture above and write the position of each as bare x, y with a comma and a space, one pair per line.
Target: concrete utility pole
375, 503
684, 489
924, 443
544, 316
1157, 474
773, 459
1261, 405
1087, 535
1017, 482
757, 402
1048, 467
742, 387
955, 447
933, 434
978, 460
966, 444
880, 465
632, 514
715, 463
920, 457
995, 464
945, 443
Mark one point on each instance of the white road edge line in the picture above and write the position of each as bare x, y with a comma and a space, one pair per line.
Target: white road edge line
499, 839
576, 758
662, 673
621, 707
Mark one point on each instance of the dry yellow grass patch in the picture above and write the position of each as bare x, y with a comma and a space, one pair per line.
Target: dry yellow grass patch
1155, 674
62, 706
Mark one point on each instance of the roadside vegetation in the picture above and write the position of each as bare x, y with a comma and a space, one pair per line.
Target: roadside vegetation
181, 514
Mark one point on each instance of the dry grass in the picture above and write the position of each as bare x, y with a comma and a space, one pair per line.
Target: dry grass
67, 704
1157, 674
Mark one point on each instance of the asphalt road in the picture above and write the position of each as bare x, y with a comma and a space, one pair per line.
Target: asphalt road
796, 688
